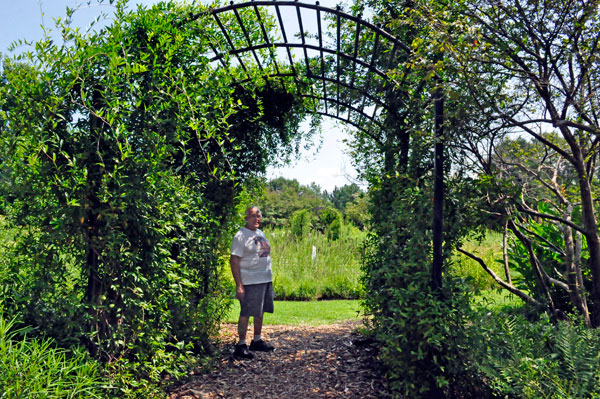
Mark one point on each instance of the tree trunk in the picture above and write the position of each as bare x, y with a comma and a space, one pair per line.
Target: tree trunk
535, 263
438, 189
589, 223
572, 270
591, 235
505, 253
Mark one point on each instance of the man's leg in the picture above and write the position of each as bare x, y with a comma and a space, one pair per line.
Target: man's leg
257, 343
243, 327
258, 323
241, 348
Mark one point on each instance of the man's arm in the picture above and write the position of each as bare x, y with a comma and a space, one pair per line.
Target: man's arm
234, 262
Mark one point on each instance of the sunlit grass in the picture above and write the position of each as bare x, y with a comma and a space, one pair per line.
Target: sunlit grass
496, 300
306, 312
490, 250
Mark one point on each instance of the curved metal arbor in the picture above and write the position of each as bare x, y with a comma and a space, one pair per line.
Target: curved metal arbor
344, 75
306, 49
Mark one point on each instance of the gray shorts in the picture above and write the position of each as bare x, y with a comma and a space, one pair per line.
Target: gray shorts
257, 300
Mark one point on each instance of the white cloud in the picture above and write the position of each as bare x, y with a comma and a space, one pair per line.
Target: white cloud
329, 168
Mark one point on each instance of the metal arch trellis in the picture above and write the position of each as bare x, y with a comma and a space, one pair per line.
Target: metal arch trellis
362, 92
345, 77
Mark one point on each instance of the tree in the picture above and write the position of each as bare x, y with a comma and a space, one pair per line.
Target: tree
357, 210
530, 69
544, 53
283, 197
340, 196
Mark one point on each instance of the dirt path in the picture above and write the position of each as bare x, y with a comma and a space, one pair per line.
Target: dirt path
310, 362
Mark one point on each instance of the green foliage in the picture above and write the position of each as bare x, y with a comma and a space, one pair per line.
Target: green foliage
341, 196
334, 229
328, 221
301, 222
116, 248
315, 267
283, 197
495, 300
488, 248
548, 249
421, 331
324, 220
123, 153
32, 368
357, 211
303, 208
536, 359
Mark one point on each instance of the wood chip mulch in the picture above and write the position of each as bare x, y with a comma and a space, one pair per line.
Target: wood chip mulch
329, 361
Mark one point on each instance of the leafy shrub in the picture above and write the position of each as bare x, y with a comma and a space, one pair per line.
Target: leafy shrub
550, 236
121, 198
334, 229
325, 220
421, 330
324, 217
301, 222
31, 368
328, 221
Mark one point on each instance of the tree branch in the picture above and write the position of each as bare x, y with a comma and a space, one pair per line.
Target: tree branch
503, 283
552, 217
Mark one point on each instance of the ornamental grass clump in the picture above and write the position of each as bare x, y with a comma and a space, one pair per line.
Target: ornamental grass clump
34, 368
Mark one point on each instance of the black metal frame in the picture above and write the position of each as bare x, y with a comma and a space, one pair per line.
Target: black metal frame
367, 79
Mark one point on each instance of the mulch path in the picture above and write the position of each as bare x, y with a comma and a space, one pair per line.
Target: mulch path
329, 361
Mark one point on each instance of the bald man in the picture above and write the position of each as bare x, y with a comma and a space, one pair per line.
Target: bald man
251, 268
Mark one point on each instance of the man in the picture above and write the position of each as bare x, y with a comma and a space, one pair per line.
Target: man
251, 268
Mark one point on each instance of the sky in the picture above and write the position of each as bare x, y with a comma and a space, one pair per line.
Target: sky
25, 19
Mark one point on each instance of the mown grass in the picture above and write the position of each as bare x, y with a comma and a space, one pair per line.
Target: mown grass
306, 312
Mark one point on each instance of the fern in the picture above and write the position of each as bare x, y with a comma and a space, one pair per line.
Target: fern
540, 359
578, 352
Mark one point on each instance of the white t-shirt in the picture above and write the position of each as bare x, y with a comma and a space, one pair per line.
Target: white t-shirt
255, 256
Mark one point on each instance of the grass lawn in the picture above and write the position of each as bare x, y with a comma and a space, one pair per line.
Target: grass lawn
334, 311
495, 300
307, 312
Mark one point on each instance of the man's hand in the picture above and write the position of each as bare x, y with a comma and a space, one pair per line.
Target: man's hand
240, 293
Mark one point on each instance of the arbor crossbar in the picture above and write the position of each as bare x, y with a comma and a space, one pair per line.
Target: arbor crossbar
344, 74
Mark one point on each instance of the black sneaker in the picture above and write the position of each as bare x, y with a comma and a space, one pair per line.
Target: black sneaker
242, 352
261, 346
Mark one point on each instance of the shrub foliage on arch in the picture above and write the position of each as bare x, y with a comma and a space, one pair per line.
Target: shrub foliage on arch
123, 152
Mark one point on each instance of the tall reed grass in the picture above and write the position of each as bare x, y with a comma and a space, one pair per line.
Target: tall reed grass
313, 267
